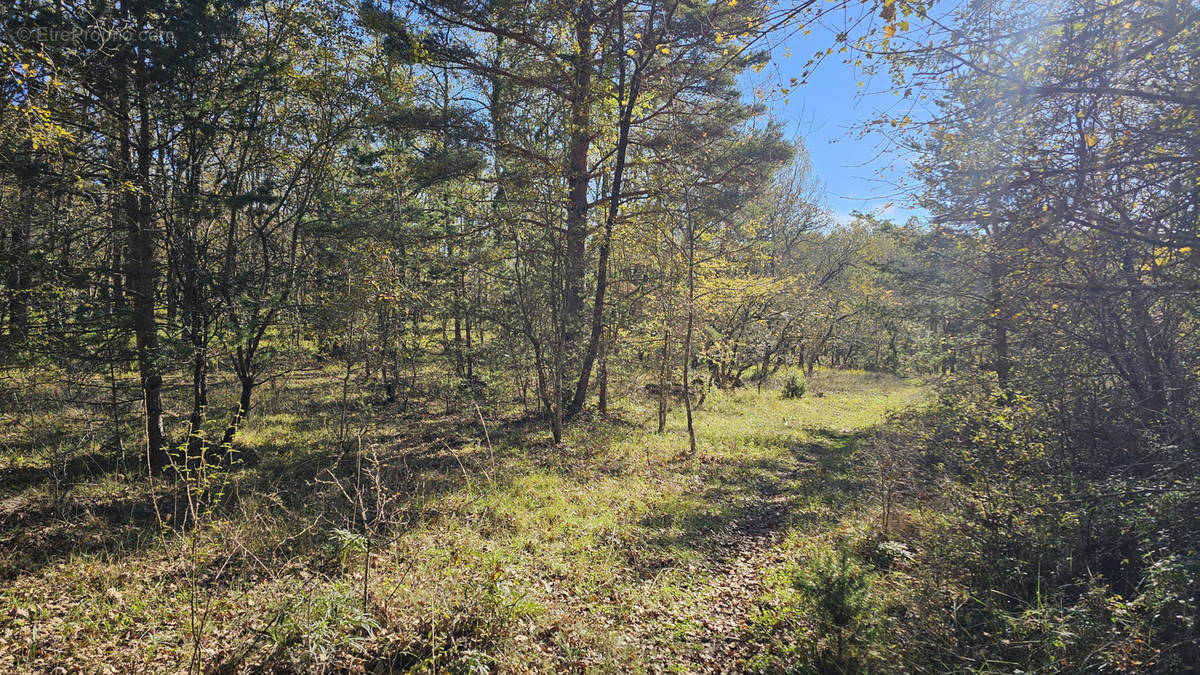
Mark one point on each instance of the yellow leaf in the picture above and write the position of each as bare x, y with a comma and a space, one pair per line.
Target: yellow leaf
1091, 139
889, 30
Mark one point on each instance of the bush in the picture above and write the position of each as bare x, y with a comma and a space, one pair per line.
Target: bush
1050, 552
836, 588
795, 386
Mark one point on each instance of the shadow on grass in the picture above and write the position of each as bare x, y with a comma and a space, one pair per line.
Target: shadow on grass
38, 531
89, 506
401, 469
745, 500
70, 470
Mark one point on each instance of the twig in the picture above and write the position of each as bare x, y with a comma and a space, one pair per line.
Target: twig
460, 464
488, 438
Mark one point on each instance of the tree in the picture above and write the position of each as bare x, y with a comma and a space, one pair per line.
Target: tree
1061, 141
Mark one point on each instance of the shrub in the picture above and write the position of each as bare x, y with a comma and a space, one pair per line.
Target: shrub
795, 386
837, 589
1052, 552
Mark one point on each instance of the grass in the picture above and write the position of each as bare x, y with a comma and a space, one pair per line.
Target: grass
420, 547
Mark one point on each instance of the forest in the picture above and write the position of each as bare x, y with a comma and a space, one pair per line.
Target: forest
514, 336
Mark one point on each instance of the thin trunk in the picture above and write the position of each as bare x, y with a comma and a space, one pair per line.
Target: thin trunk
413, 347
1150, 367
470, 361
762, 367
199, 396
614, 205
188, 289
478, 320
18, 271
114, 408
1002, 361
171, 286
458, 342
556, 400
117, 267
388, 369
602, 381
244, 368
239, 416
662, 380
687, 336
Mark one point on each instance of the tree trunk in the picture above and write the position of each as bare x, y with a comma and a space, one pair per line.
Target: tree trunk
602, 383
556, 399
762, 367
663, 387
389, 368
19, 271
1002, 361
614, 205
195, 443
239, 415
141, 270
687, 336
578, 177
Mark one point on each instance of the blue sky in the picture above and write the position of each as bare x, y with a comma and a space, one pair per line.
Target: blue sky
856, 171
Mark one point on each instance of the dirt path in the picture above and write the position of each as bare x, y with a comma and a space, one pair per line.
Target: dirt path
745, 552
721, 644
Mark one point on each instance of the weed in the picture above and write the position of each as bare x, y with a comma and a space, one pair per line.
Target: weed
326, 622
